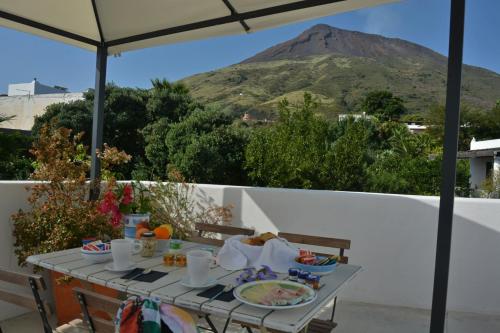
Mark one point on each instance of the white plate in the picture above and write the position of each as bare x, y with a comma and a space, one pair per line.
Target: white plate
239, 290
110, 267
186, 283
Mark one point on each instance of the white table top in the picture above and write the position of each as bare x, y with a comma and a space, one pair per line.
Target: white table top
170, 290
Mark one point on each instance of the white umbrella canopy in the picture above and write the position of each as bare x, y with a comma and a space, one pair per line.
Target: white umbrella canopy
124, 25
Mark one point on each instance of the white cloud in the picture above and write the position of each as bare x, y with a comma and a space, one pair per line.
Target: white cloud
383, 21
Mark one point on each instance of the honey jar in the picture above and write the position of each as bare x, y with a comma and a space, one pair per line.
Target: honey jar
180, 260
169, 259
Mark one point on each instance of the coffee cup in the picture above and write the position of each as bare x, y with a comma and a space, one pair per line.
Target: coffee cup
198, 264
122, 250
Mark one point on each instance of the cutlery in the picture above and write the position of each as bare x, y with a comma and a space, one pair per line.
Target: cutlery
144, 272
225, 290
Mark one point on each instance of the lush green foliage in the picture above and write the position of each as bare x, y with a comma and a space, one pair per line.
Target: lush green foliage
383, 105
291, 153
206, 148
481, 124
166, 130
14, 150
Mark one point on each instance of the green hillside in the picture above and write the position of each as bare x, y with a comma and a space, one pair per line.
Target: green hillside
339, 67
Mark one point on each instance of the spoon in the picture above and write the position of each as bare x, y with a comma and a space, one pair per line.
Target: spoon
144, 272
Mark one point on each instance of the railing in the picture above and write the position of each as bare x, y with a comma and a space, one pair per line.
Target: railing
393, 238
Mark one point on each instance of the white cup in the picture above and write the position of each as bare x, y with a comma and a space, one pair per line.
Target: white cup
122, 250
198, 263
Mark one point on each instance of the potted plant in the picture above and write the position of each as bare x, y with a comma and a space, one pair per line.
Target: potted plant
60, 214
128, 204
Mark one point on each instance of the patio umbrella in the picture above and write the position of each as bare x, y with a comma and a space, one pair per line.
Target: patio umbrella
114, 26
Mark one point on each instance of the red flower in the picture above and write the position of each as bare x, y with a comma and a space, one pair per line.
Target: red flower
127, 194
108, 203
116, 216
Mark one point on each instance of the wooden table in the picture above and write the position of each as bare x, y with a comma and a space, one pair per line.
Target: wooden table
170, 290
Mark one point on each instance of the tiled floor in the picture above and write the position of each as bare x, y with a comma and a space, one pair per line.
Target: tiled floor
351, 317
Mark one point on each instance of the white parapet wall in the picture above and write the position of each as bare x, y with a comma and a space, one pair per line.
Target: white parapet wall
393, 238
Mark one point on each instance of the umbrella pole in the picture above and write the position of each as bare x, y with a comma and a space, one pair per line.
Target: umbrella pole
449, 166
98, 120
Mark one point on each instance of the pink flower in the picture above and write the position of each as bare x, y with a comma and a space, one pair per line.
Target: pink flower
109, 206
127, 194
108, 203
116, 217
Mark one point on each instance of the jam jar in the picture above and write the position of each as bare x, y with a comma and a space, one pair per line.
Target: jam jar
148, 241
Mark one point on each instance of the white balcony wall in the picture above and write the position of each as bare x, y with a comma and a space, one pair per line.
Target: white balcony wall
393, 238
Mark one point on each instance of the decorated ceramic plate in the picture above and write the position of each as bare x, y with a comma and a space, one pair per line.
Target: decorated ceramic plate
275, 294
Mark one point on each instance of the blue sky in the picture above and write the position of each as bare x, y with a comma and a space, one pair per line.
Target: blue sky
425, 22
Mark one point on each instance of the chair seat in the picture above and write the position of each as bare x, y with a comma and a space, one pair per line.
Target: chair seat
74, 326
320, 326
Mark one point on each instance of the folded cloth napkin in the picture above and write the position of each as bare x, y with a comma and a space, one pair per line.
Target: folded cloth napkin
150, 277
227, 296
276, 253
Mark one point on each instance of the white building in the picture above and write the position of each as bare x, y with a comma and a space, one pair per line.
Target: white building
355, 116
24, 101
33, 88
484, 159
416, 128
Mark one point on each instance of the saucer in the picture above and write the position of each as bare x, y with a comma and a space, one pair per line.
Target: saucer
110, 267
186, 283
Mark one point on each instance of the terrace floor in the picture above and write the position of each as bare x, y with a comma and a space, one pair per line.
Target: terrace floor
352, 318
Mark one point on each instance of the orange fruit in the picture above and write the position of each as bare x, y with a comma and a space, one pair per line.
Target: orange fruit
139, 232
162, 233
169, 227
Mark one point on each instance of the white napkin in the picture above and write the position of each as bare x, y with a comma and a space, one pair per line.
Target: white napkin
276, 253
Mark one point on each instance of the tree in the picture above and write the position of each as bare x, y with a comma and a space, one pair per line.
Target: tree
205, 148
347, 160
383, 105
411, 165
156, 150
215, 157
169, 100
14, 149
292, 152
124, 117
474, 123
76, 115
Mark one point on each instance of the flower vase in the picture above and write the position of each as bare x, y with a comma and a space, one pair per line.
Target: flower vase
130, 222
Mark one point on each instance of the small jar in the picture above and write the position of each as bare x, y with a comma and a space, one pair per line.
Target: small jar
293, 274
302, 277
180, 260
148, 241
175, 246
169, 259
313, 281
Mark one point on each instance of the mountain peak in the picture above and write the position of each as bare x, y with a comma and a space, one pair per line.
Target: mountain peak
323, 39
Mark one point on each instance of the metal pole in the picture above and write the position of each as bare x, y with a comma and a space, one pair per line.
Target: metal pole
450, 146
98, 119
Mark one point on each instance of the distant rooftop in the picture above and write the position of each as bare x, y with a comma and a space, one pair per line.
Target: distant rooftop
34, 88
486, 148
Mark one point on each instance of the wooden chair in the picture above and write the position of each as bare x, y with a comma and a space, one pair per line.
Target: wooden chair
202, 228
318, 325
31, 298
90, 302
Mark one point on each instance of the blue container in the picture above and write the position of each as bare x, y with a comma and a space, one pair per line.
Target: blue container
130, 232
317, 270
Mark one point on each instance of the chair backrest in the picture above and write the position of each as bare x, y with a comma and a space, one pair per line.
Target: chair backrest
335, 243
202, 228
29, 299
90, 302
